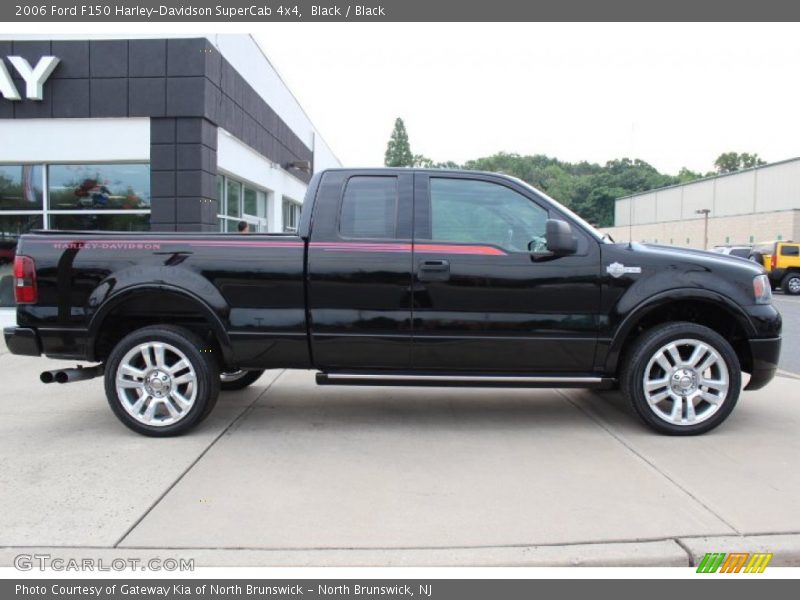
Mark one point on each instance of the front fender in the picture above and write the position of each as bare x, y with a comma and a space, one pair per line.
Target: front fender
636, 311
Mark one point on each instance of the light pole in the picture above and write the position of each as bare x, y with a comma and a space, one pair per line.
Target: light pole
704, 212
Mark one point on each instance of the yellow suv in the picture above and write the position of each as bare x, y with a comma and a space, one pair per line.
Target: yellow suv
782, 262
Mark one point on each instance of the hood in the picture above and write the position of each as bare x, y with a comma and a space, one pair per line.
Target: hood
704, 258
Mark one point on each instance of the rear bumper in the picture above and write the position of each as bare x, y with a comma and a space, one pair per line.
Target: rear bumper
22, 340
765, 353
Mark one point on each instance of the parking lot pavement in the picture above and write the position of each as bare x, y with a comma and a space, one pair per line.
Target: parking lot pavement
290, 473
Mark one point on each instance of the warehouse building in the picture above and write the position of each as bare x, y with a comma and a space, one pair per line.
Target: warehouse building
744, 207
148, 133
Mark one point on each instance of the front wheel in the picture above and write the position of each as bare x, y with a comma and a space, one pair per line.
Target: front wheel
682, 378
159, 382
232, 381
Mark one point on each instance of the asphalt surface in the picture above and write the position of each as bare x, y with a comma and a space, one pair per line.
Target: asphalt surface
289, 473
790, 346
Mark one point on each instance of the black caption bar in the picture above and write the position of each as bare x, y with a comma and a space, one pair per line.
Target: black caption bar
438, 589
398, 10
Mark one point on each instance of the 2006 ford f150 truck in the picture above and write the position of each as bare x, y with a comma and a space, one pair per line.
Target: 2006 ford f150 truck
398, 277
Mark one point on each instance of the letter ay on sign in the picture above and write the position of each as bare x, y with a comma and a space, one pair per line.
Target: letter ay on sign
34, 77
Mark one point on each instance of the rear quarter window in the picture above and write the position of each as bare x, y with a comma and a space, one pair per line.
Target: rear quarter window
369, 208
787, 250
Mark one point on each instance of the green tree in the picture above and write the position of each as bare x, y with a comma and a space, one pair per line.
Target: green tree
398, 150
728, 162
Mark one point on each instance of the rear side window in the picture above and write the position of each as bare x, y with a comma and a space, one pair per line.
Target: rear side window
369, 208
741, 252
790, 250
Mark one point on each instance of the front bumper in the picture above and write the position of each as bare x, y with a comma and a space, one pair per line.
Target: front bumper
22, 340
765, 353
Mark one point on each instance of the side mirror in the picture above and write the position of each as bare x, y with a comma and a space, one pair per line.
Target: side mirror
559, 237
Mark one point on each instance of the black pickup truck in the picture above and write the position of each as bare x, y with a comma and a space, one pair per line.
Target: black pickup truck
398, 277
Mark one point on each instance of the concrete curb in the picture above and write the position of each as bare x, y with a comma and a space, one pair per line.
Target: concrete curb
784, 547
664, 553
681, 552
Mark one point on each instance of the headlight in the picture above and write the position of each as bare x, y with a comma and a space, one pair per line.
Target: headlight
762, 290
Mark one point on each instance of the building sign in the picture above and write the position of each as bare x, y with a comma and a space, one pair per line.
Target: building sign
34, 77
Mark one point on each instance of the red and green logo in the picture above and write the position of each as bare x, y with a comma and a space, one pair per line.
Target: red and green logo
735, 562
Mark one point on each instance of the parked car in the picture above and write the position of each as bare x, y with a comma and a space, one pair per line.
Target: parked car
398, 277
731, 250
781, 259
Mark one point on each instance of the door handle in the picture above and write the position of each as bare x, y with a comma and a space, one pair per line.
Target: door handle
434, 270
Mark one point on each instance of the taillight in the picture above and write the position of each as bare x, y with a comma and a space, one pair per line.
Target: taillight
24, 280
773, 260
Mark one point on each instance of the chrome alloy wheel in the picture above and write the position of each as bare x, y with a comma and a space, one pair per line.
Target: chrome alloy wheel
156, 384
686, 382
794, 285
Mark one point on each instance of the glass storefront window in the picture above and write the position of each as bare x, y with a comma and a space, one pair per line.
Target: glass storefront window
20, 187
112, 197
107, 222
234, 195
98, 186
291, 215
237, 202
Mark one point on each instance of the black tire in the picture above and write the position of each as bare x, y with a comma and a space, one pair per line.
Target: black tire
790, 284
205, 377
240, 381
647, 347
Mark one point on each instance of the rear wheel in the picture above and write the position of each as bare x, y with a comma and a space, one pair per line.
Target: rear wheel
159, 382
790, 284
238, 380
682, 378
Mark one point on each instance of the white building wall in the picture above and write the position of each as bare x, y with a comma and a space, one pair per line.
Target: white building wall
74, 140
644, 209
778, 187
237, 159
767, 189
696, 197
622, 212
246, 57
668, 204
734, 195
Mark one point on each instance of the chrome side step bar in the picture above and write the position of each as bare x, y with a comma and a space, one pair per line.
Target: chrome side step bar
459, 380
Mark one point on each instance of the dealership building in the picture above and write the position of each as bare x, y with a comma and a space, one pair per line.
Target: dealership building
748, 206
148, 134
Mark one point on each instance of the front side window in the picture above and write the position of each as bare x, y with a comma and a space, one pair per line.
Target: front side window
480, 212
98, 187
369, 208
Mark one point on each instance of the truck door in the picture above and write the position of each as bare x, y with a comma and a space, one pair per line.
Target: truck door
359, 271
481, 303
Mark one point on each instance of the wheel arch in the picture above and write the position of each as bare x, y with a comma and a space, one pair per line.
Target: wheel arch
703, 307
174, 303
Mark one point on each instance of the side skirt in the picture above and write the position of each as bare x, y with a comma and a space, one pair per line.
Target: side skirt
464, 380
